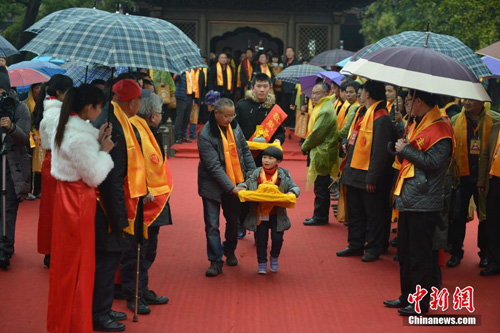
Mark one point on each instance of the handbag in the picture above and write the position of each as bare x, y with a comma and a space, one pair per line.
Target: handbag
173, 103
193, 119
164, 93
301, 122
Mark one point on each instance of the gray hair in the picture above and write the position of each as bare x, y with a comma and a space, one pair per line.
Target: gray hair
323, 86
150, 104
223, 103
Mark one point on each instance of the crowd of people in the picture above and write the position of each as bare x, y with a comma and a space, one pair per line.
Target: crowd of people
392, 157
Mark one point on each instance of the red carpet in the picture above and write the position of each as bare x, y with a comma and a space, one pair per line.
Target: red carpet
314, 291
291, 149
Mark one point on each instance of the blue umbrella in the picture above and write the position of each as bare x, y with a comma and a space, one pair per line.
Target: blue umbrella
114, 39
81, 74
49, 59
493, 64
343, 62
6, 48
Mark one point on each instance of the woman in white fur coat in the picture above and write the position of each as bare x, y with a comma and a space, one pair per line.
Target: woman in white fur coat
47, 109
80, 162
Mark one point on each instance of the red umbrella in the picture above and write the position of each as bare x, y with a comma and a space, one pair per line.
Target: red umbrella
25, 76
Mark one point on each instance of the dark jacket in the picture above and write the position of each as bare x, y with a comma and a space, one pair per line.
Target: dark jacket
181, 87
112, 198
212, 178
380, 171
425, 191
16, 142
289, 88
286, 185
257, 70
250, 113
212, 81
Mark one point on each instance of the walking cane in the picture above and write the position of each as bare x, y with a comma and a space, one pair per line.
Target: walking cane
4, 252
139, 234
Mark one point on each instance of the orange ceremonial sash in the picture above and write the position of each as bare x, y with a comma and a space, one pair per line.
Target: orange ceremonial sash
135, 181
231, 157
273, 120
159, 176
389, 106
189, 82
264, 208
220, 79
265, 69
342, 114
462, 151
495, 162
363, 148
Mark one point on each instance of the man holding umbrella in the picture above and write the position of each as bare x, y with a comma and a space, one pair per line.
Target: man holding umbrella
425, 157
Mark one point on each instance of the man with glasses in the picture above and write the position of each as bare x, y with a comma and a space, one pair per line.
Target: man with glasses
224, 160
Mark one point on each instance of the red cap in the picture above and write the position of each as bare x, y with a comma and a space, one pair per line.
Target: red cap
127, 90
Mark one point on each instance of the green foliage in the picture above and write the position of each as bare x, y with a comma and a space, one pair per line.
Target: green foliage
475, 22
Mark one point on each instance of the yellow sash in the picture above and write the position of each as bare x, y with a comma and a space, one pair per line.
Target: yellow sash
342, 114
265, 69
462, 151
314, 114
389, 106
443, 110
231, 157
220, 79
265, 208
363, 148
336, 104
495, 163
189, 83
135, 181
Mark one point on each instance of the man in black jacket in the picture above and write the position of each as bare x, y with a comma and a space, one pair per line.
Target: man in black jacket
369, 180
288, 89
111, 214
221, 77
221, 168
419, 197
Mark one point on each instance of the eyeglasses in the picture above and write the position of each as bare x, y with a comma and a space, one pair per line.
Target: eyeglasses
230, 117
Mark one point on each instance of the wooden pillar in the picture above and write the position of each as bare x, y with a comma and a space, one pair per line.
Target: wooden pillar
202, 34
290, 40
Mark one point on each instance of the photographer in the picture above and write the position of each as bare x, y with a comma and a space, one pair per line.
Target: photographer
15, 122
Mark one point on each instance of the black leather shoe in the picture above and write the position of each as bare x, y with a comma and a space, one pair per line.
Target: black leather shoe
396, 304
214, 269
348, 252
142, 307
454, 261
109, 326
369, 257
178, 142
46, 261
186, 140
231, 259
314, 222
395, 258
483, 263
118, 316
410, 311
394, 242
151, 298
488, 271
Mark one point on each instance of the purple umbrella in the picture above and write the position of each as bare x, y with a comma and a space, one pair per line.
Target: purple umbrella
333, 76
493, 64
307, 83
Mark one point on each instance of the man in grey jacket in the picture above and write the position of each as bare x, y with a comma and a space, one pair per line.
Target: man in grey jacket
217, 183
419, 198
15, 123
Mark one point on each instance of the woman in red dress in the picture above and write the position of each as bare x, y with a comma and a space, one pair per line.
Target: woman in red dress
46, 116
80, 162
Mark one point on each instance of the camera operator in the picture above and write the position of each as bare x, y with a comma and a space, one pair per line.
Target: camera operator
15, 122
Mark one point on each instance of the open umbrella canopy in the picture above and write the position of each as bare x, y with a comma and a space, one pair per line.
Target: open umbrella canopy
419, 68
307, 83
333, 77
65, 15
43, 67
114, 39
448, 45
81, 74
330, 58
26, 76
493, 64
6, 48
493, 50
344, 62
292, 73
49, 59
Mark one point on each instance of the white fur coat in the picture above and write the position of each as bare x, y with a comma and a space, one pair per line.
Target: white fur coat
51, 111
79, 156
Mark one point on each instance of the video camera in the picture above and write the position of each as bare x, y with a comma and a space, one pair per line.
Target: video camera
7, 106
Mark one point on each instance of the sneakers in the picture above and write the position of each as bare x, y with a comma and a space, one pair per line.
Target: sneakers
273, 264
262, 269
214, 269
231, 259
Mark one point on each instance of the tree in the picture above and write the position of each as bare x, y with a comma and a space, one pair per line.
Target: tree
474, 22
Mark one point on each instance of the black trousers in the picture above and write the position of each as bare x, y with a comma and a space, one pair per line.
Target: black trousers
231, 208
128, 264
37, 183
262, 237
368, 219
106, 265
286, 102
11, 206
184, 108
416, 259
493, 227
322, 198
456, 234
